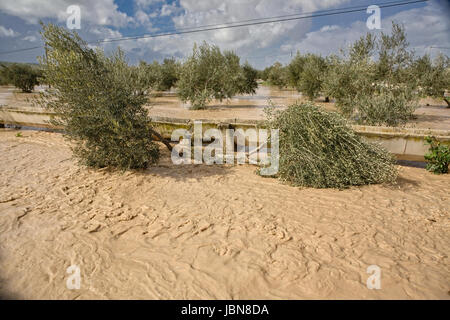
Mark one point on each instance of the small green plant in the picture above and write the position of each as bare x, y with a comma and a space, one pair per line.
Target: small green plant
438, 156
19, 135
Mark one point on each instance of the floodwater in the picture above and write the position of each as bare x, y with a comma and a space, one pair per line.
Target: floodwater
249, 107
432, 113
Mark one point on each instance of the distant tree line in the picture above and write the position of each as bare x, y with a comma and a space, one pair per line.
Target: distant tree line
377, 80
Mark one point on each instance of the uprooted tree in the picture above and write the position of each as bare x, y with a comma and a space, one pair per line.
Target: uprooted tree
319, 149
98, 100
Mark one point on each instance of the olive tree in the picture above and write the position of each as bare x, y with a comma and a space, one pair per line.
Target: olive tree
433, 76
98, 100
372, 83
306, 73
22, 76
151, 74
248, 82
208, 74
168, 74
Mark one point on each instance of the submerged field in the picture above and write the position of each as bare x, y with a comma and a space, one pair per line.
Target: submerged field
432, 113
202, 232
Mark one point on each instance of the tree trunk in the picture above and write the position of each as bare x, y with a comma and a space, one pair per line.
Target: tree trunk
160, 138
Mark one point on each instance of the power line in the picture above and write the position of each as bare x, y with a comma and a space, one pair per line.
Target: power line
253, 23
258, 19
239, 24
20, 50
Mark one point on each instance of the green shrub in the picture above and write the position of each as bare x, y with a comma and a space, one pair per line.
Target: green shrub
99, 102
318, 149
438, 156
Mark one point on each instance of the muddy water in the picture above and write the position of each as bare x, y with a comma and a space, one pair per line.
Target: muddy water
241, 106
432, 113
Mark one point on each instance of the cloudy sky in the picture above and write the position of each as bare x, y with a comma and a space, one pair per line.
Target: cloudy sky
427, 25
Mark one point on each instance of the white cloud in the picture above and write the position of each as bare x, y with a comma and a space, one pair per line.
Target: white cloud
105, 33
424, 27
146, 3
170, 9
30, 38
261, 44
245, 40
4, 32
101, 12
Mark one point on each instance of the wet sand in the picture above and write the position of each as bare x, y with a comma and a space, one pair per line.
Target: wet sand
211, 232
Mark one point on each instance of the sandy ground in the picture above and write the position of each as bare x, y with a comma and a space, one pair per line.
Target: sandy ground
215, 232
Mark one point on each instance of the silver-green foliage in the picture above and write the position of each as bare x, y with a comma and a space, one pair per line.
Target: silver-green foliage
433, 76
209, 74
161, 77
318, 149
373, 83
98, 101
306, 73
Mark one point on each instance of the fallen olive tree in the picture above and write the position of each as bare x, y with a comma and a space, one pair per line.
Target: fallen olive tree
98, 101
319, 149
